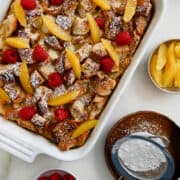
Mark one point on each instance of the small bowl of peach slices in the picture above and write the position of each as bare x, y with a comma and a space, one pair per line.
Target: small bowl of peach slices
164, 66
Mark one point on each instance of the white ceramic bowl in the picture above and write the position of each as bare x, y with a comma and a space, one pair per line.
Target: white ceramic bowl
27, 145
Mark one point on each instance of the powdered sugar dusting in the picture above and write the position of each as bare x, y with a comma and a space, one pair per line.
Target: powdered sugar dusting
143, 126
161, 140
142, 156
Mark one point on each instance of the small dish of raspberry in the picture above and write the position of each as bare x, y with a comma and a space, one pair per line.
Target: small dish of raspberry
56, 174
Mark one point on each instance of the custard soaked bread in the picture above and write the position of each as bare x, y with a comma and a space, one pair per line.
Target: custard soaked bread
61, 60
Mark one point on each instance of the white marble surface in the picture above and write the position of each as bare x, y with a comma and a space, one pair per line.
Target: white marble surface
140, 95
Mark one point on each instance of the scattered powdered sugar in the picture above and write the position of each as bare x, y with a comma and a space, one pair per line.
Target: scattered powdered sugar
8, 76
12, 91
26, 54
115, 26
141, 156
59, 90
38, 120
64, 22
143, 126
34, 81
161, 140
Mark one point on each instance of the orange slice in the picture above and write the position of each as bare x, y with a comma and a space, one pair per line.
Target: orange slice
157, 74
17, 42
84, 127
63, 99
3, 96
177, 50
54, 29
24, 78
130, 10
103, 4
75, 63
111, 50
94, 28
171, 67
162, 56
177, 79
20, 13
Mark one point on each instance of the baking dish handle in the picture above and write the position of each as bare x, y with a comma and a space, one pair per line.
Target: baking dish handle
17, 149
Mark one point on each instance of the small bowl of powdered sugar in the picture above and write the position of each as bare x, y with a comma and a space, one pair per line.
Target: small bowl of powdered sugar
142, 157
143, 145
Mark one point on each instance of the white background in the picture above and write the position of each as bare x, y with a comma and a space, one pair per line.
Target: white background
139, 95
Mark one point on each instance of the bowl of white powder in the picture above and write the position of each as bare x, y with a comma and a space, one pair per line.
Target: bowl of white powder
142, 157
143, 145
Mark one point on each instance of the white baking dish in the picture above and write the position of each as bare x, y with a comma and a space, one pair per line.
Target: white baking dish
27, 145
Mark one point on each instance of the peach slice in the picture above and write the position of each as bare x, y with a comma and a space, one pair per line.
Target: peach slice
24, 78
63, 99
94, 28
157, 74
177, 50
130, 10
20, 13
103, 4
177, 79
84, 127
54, 29
162, 56
171, 67
169, 75
3, 96
111, 50
17, 42
75, 63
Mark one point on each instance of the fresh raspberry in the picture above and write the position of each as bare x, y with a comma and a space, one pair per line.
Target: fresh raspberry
123, 38
28, 4
100, 22
40, 54
54, 79
68, 177
10, 56
55, 176
56, 2
43, 178
61, 114
27, 113
107, 64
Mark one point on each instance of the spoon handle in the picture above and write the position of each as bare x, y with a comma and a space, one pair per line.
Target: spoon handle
120, 178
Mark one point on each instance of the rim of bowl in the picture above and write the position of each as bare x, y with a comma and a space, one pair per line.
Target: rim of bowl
54, 169
149, 71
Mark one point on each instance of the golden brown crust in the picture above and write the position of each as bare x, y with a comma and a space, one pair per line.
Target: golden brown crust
94, 86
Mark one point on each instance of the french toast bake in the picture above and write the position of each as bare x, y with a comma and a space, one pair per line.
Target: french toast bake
60, 61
